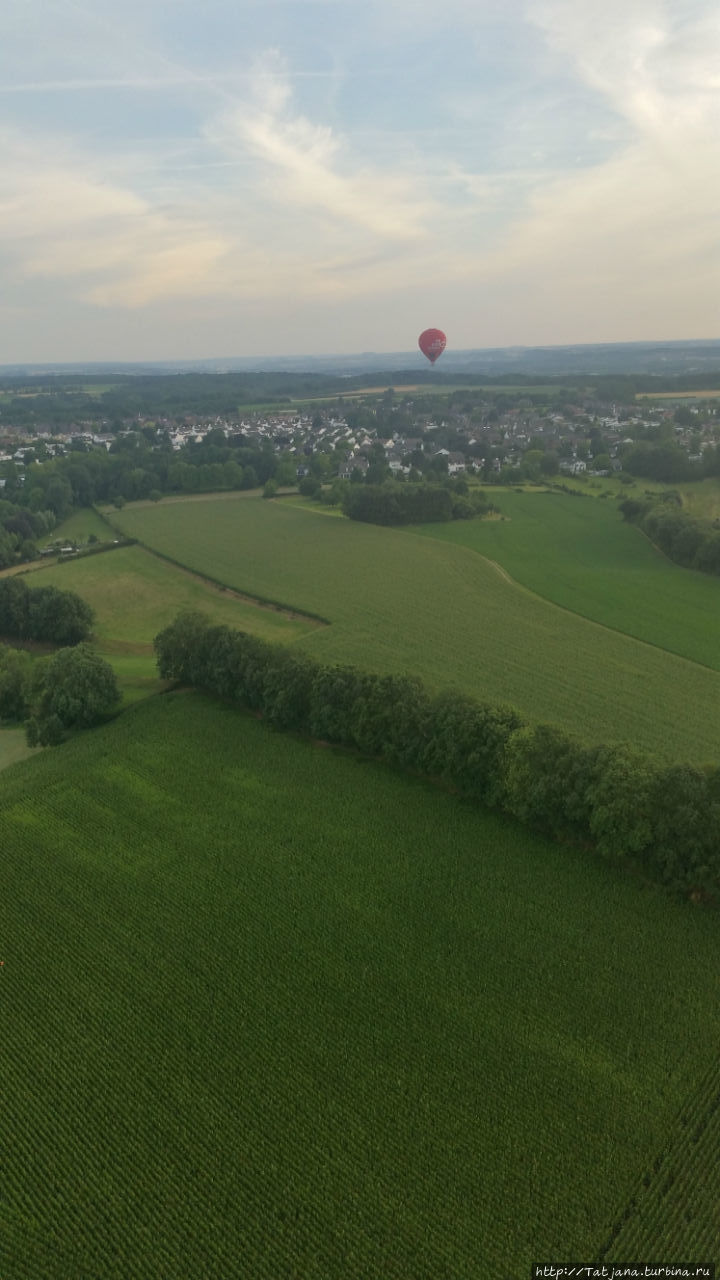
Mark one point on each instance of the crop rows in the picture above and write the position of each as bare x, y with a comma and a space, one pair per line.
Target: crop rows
272, 1012
675, 1208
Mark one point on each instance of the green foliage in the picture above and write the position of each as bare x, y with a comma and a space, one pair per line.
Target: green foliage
621, 811
665, 462
467, 746
310, 486
21, 526
74, 689
689, 541
44, 614
393, 503
15, 680
547, 777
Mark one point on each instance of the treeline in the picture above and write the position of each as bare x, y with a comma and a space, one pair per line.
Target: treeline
692, 543
629, 807
395, 503
20, 530
46, 615
138, 466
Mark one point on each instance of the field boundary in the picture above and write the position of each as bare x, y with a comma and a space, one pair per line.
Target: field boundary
261, 602
592, 622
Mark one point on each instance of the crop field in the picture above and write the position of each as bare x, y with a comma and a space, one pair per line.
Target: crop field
580, 554
135, 594
272, 1011
676, 1200
398, 602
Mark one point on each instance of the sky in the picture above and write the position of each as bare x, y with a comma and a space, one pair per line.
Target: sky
262, 177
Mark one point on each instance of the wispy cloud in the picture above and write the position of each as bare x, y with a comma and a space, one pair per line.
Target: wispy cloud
58, 221
638, 232
311, 164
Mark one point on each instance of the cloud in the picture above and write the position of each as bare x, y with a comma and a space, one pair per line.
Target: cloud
59, 221
310, 166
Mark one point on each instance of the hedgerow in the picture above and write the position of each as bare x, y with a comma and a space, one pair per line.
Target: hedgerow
688, 541
626, 805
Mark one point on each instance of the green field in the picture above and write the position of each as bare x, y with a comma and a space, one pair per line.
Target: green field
702, 499
398, 602
80, 525
269, 1011
136, 594
581, 554
676, 1198
13, 747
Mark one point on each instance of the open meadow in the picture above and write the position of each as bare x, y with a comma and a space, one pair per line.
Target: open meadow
702, 499
398, 602
270, 1010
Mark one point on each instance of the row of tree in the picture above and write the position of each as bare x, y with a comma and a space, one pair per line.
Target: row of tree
692, 543
663, 819
46, 615
395, 503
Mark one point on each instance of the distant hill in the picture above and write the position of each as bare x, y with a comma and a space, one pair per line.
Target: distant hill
660, 358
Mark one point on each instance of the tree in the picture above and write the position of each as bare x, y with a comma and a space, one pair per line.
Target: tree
310, 486
15, 680
75, 687
58, 617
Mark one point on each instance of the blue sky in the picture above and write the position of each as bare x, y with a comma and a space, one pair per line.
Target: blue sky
312, 176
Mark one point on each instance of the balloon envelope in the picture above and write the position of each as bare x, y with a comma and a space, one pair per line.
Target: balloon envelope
432, 343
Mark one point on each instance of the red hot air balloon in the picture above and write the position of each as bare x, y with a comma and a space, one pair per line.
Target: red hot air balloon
432, 343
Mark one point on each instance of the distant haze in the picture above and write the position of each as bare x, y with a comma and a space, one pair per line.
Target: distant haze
693, 359
270, 176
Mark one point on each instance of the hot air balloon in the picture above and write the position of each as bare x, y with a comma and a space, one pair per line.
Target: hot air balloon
432, 343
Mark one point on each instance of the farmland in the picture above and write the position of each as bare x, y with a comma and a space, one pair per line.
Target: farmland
390, 594
676, 1199
581, 555
340, 1027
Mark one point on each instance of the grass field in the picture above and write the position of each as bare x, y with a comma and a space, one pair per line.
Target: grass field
136, 594
702, 499
581, 555
269, 1011
13, 747
398, 602
677, 395
427, 389
80, 525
